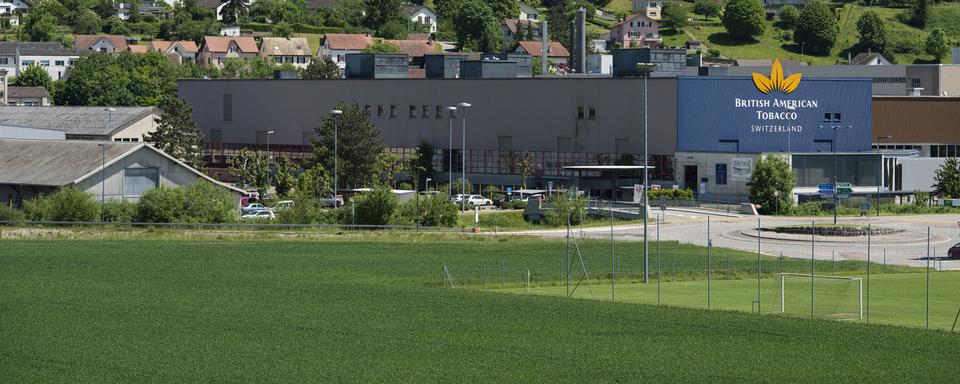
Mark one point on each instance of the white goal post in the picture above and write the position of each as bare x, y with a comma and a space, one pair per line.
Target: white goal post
859, 282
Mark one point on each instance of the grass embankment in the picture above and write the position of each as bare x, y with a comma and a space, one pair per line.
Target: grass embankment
342, 310
513, 221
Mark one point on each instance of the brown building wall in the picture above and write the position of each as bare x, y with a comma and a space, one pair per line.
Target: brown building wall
917, 119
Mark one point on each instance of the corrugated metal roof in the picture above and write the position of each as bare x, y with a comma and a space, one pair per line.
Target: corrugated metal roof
96, 121
54, 163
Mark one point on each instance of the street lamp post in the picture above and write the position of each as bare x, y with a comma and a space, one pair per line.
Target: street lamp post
103, 189
336, 153
452, 112
426, 187
880, 170
463, 158
645, 69
836, 194
268, 141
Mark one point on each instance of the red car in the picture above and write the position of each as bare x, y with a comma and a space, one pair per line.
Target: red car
954, 252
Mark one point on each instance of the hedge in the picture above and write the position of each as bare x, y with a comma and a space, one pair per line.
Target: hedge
297, 27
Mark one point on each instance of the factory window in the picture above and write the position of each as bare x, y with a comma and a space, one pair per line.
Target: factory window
721, 177
393, 111
826, 117
426, 111
593, 113
439, 113
413, 111
837, 117
216, 136
914, 83
136, 181
227, 107
579, 113
27, 63
379, 111
366, 109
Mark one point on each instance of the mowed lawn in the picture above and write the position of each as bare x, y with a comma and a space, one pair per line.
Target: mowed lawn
372, 310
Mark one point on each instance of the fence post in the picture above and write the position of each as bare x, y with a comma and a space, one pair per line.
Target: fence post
869, 237
927, 307
759, 269
709, 261
813, 252
658, 259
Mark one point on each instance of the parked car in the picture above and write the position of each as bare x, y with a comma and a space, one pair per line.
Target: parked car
477, 200
265, 213
456, 199
333, 202
283, 205
253, 207
524, 198
954, 252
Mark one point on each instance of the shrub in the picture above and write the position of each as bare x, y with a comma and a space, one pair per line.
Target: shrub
744, 18
810, 208
310, 210
159, 205
119, 211
517, 204
66, 204
11, 214
670, 194
376, 207
200, 202
789, 15
434, 211
564, 207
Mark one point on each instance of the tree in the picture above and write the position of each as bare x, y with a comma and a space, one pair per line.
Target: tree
744, 18
381, 13
66, 204
248, 68
387, 168
873, 33
772, 184
789, 15
177, 133
34, 76
376, 207
504, 9
946, 180
816, 28
321, 68
708, 8
674, 16
525, 166
314, 182
283, 176
918, 16
382, 46
476, 27
424, 161
133, 14
358, 145
87, 23
234, 10
39, 24
937, 44
251, 169
282, 29
104, 9
115, 26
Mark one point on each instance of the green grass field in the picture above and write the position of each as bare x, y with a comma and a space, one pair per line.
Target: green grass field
162, 308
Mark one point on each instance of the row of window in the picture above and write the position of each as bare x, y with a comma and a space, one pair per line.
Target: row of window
834, 117
42, 63
128, 140
290, 59
591, 113
951, 150
422, 111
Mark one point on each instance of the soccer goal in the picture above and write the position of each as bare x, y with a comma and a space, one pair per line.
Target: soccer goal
839, 297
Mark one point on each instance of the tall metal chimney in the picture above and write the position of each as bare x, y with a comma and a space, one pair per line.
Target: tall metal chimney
544, 48
581, 41
572, 43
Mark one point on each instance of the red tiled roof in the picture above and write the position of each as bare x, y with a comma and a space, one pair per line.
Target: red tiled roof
414, 48
555, 49
219, 44
139, 48
348, 41
634, 17
84, 42
163, 45
512, 24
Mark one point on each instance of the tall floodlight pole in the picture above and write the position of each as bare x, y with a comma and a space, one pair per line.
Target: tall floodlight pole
336, 153
836, 194
645, 69
103, 190
463, 158
453, 111
268, 141
880, 171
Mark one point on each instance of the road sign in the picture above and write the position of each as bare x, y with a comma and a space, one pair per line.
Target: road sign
825, 187
509, 190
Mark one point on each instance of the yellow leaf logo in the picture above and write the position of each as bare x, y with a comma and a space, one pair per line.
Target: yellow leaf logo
776, 82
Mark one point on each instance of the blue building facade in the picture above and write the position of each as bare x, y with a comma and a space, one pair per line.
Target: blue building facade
735, 115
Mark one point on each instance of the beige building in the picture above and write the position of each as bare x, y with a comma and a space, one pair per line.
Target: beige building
128, 124
217, 49
286, 50
26, 96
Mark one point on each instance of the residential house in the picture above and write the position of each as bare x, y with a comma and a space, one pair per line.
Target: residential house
107, 170
528, 12
26, 96
17, 56
9, 6
286, 50
869, 58
123, 10
421, 14
416, 50
85, 123
184, 51
651, 8
636, 30
230, 30
217, 49
514, 30
557, 54
336, 46
102, 43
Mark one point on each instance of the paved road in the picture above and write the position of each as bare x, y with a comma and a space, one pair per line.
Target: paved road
908, 248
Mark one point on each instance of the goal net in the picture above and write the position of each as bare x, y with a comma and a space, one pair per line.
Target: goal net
837, 297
